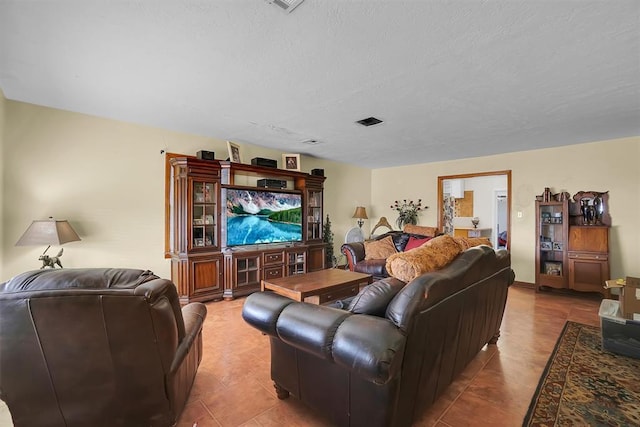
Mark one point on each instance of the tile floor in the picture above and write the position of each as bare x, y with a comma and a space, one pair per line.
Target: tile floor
233, 388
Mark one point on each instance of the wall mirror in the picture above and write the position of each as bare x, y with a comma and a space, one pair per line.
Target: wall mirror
476, 205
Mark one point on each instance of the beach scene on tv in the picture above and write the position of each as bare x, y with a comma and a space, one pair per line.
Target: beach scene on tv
261, 216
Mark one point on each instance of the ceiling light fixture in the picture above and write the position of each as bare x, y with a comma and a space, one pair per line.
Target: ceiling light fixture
369, 121
286, 5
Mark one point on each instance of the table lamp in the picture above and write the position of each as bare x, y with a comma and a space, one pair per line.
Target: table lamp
361, 214
48, 232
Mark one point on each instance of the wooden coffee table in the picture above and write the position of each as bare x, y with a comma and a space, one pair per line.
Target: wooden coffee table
319, 287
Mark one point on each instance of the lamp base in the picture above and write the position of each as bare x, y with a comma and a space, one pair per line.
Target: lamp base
50, 261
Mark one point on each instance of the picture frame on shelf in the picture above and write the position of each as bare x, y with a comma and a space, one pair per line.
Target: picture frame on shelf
291, 162
546, 246
557, 246
553, 268
234, 152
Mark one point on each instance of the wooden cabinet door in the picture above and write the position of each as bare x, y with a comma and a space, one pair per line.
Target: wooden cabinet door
588, 272
316, 258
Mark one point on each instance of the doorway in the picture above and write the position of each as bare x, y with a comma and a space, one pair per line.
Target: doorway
500, 223
483, 196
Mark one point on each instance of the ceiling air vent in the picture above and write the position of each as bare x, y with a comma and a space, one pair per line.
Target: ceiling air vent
369, 121
311, 142
286, 5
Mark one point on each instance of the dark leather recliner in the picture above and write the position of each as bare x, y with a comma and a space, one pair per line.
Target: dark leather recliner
369, 370
96, 347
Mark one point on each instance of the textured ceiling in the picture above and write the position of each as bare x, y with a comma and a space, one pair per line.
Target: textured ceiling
450, 79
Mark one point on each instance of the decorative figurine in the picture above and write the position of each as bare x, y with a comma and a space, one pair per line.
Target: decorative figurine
48, 261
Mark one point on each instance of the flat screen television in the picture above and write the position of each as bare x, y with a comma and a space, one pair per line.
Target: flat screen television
262, 216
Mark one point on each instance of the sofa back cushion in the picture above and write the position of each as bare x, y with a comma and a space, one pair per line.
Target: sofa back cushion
374, 298
472, 266
420, 230
469, 242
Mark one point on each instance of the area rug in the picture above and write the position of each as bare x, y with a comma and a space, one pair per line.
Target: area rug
582, 385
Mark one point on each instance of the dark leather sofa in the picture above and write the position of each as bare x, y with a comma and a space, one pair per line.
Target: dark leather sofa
355, 254
96, 347
368, 370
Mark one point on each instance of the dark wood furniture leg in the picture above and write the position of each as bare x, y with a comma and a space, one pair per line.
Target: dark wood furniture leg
280, 391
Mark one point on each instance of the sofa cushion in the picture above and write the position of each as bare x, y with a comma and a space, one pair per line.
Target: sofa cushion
374, 298
469, 242
415, 242
433, 255
379, 249
421, 230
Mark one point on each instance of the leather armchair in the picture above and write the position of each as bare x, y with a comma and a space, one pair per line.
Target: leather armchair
99, 347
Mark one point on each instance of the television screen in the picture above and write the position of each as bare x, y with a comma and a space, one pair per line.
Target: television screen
263, 216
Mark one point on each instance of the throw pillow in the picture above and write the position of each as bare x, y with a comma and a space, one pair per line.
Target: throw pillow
415, 242
469, 242
374, 298
421, 230
433, 255
379, 249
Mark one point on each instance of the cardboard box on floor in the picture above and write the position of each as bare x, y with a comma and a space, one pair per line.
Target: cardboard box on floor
629, 296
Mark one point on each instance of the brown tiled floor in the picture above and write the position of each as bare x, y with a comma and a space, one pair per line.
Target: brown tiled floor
233, 387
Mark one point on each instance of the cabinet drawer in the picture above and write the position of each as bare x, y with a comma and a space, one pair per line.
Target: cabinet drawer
273, 272
339, 294
588, 256
273, 258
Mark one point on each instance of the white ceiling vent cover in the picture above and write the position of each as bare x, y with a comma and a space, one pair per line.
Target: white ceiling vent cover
286, 5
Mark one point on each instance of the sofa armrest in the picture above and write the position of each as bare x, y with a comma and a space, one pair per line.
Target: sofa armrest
368, 346
354, 252
193, 315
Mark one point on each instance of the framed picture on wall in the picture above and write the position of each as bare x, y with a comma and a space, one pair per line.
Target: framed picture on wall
234, 152
291, 162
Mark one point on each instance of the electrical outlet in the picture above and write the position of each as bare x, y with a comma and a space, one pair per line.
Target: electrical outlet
519, 214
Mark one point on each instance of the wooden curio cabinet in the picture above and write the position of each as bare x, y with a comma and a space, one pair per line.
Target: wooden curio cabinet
196, 262
552, 225
572, 249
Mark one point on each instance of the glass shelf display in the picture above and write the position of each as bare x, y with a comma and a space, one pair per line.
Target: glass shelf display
203, 224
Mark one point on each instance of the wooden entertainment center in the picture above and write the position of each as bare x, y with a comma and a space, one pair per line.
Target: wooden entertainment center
203, 267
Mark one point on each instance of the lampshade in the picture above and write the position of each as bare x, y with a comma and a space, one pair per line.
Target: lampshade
48, 232
360, 213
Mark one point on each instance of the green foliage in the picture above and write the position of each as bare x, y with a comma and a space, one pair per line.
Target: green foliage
327, 237
407, 212
292, 216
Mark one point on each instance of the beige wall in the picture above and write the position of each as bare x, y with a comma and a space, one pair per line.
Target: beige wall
107, 178
598, 166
